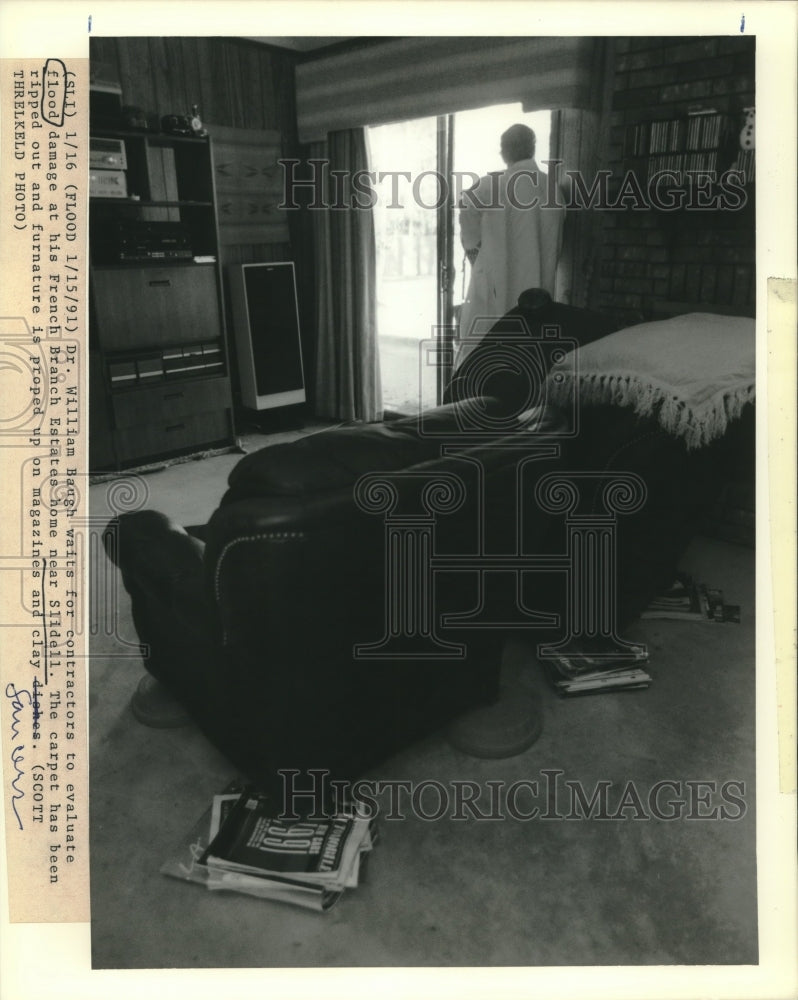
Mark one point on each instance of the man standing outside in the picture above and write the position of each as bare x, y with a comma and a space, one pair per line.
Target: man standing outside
513, 227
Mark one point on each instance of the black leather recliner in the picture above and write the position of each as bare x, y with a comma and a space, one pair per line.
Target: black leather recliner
307, 629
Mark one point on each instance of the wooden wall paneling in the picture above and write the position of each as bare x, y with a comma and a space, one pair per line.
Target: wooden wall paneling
152, 100
272, 115
162, 85
249, 75
104, 50
285, 92
135, 74
195, 83
234, 82
269, 109
252, 84
222, 83
251, 116
241, 234
251, 253
255, 253
124, 66
230, 66
182, 87
212, 100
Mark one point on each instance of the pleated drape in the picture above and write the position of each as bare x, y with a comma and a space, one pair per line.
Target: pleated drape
347, 358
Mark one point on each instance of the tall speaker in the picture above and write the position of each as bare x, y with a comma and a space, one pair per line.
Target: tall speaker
268, 342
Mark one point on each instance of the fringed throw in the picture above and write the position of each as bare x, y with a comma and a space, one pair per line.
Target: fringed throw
694, 373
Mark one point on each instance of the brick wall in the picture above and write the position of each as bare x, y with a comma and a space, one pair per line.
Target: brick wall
686, 256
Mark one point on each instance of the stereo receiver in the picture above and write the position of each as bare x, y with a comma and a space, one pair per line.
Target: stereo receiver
107, 154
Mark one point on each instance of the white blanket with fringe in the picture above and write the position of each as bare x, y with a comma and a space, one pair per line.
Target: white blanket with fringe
694, 373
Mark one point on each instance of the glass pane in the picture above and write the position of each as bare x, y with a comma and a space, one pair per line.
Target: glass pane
404, 156
407, 284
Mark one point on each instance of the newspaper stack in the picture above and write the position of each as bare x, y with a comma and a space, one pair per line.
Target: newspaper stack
240, 845
581, 672
687, 600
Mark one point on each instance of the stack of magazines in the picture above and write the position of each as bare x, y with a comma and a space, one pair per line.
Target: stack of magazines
591, 672
592, 666
687, 600
241, 845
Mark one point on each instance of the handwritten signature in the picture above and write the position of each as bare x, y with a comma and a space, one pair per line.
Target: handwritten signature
18, 703
195, 850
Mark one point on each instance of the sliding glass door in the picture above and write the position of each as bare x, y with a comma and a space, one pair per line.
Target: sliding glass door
421, 168
407, 258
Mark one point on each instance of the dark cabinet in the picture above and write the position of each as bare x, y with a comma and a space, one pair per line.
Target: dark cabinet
147, 306
160, 381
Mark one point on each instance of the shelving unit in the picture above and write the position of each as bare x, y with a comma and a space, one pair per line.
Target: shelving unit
696, 141
159, 359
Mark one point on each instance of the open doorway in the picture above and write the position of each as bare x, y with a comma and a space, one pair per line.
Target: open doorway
407, 258
422, 273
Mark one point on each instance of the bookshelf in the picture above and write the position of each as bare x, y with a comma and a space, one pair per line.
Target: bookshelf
699, 141
161, 381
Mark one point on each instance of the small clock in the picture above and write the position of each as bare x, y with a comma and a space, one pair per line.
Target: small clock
196, 122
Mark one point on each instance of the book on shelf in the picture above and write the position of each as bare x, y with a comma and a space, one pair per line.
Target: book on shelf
705, 129
240, 845
746, 163
636, 140
680, 144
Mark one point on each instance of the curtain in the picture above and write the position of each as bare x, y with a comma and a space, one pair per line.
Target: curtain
347, 359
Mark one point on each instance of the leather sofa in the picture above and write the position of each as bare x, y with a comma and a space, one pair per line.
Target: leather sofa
332, 611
